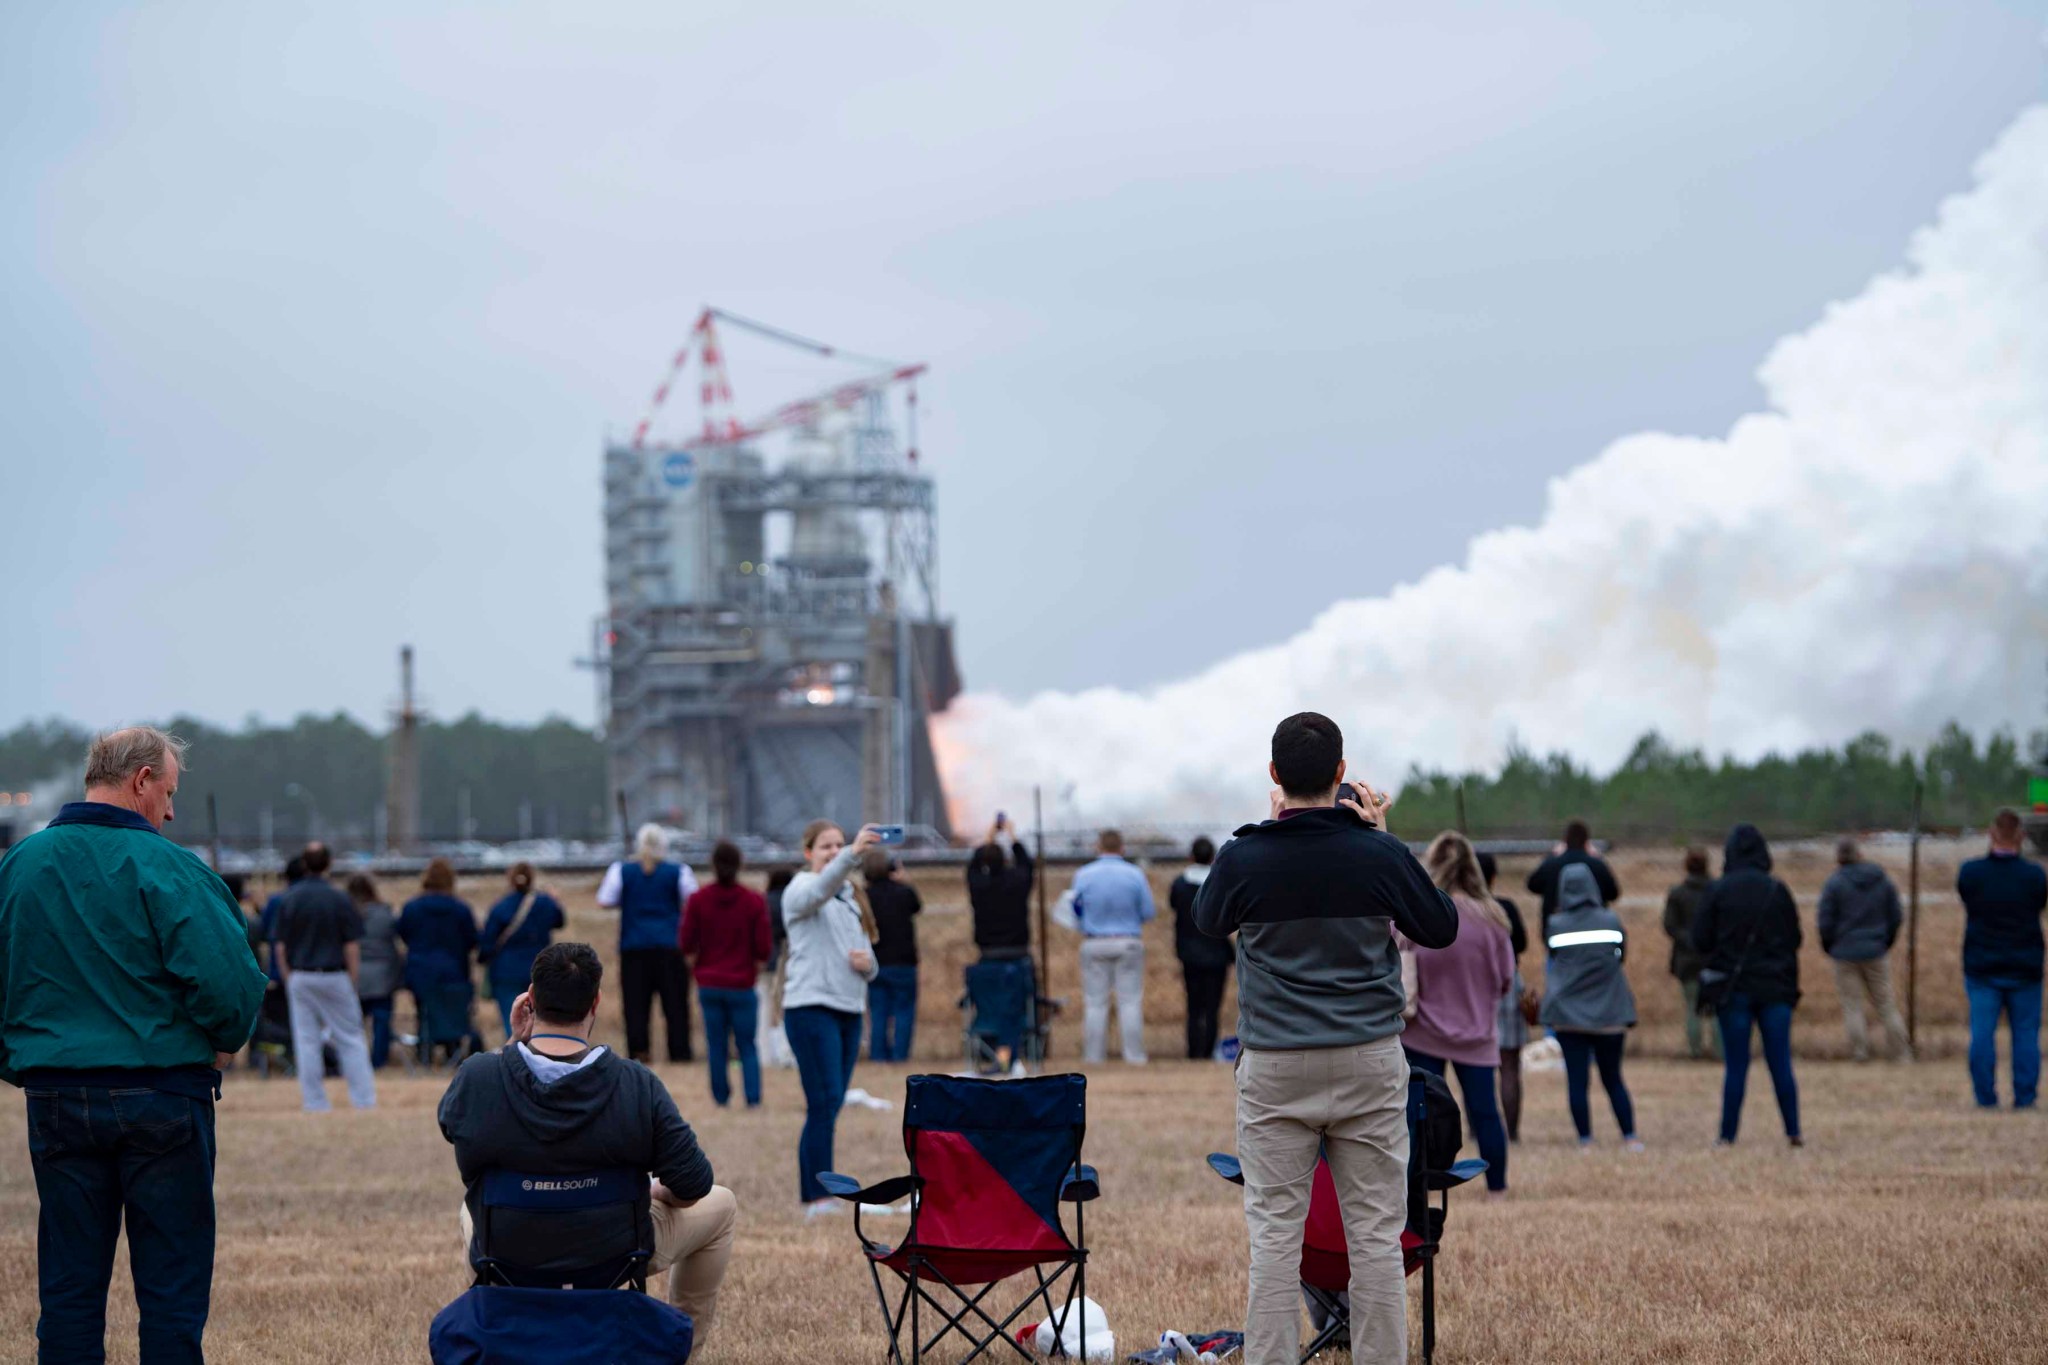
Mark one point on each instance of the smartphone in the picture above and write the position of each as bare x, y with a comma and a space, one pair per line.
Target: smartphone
1346, 792
890, 834
1002, 818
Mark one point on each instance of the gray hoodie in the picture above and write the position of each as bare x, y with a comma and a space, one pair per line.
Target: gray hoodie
823, 922
1859, 913
1585, 990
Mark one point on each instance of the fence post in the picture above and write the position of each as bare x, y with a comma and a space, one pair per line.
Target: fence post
1913, 927
1044, 942
1461, 811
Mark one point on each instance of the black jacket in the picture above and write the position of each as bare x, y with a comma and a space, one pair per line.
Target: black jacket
1543, 881
1193, 947
1002, 902
1748, 924
2003, 897
894, 903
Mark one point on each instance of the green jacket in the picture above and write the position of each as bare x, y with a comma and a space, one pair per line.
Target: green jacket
118, 949
1680, 904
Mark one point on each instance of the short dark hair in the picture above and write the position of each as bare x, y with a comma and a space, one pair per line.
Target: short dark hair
565, 981
362, 889
987, 860
238, 884
1307, 748
1576, 834
318, 858
876, 864
1695, 862
1847, 852
295, 868
781, 877
1110, 841
1489, 866
1202, 850
725, 862
2006, 825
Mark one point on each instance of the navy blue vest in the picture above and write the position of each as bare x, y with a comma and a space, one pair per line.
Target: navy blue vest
650, 906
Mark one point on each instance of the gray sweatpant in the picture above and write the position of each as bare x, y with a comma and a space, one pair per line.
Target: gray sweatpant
324, 1009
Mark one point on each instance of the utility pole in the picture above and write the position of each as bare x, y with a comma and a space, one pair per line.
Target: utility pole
402, 792
1461, 811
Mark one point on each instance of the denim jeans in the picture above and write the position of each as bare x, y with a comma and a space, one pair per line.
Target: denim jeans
1482, 1116
1582, 1051
1774, 1021
100, 1154
731, 1017
2020, 1003
892, 1013
827, 1044
504, 997
377, 1010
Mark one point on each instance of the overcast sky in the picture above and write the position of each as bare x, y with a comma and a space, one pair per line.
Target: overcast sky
315, 320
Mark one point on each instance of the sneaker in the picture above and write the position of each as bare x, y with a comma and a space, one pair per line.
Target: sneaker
822, 1208
1585, 1146
1724, 1142
1795, 1140
1632, 1144
1017, 1072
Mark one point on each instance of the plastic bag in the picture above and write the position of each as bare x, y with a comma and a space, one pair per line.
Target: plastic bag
775, 1049
1086, 1334
1062, 912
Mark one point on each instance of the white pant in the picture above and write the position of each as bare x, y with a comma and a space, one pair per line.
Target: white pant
324, 1009
1117, 962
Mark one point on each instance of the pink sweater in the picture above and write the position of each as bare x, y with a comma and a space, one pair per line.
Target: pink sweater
1459, 990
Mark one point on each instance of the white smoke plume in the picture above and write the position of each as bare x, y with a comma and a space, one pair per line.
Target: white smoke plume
1869, 552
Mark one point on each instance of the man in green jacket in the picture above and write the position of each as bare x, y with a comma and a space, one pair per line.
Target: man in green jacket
125, 983
1679, 904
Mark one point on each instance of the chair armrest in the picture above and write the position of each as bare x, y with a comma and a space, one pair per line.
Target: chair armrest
1460, 1172
882, 1192
1227, 1166
1081, 1185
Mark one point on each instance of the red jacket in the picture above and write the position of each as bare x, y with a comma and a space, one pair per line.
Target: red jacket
726, 929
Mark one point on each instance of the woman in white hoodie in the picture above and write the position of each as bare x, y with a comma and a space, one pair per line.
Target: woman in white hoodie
825, 990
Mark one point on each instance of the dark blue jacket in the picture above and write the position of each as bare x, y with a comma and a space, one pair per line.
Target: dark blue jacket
511, 962
2003, 896
439, 933
650, 906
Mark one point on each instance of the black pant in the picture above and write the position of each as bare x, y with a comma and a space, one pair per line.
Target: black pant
1205, 999
644, 973
102, 1157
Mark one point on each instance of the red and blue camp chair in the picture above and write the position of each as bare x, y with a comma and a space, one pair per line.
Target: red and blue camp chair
1326, 1256
991, 1163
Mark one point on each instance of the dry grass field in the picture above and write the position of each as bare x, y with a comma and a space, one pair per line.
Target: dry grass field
1911, 1229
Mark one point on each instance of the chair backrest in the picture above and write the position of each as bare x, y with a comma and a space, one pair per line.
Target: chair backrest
591, 1230
444, 1012
999, 991
993, 1156
1325, 1255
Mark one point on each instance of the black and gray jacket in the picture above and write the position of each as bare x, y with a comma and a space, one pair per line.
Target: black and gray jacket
1859, 915
1314, 898
1585, 990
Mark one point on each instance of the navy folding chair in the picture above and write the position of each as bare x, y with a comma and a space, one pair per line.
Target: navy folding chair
1002, 1010
991, 1163
445, 1022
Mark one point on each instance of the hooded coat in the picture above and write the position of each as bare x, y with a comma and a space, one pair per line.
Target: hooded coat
1859, 914
1747, 924
1584, 987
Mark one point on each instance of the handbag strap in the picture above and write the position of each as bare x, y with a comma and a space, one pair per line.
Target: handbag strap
518, 918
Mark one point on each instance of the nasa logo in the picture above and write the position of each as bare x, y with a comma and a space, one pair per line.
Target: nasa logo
679, 470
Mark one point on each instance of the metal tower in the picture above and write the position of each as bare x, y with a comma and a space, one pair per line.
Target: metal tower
774, 643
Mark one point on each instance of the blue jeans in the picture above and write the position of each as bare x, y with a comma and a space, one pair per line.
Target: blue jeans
1482, 1116
100, 1155
731, 1016
504, 996
1774, 1021
378, 1011
1604, 1051
827, 1044
892, 1010
2020, 1003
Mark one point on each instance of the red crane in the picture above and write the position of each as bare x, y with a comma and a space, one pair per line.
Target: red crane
722, 426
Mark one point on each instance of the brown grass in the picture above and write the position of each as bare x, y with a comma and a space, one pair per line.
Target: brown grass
1911, 1229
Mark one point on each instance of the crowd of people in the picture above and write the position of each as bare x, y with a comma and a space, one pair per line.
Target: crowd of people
1357, 963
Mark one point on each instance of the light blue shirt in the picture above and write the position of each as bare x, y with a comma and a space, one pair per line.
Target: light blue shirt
1112, 898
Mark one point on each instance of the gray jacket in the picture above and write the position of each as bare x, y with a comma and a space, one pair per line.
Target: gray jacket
823, 922
383, 962
1859, 913
1585, 990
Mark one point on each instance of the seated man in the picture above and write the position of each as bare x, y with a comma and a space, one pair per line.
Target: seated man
551, 1103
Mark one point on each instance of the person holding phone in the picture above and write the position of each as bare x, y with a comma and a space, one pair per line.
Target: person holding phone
825, 991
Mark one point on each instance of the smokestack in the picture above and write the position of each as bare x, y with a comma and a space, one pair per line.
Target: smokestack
402, 794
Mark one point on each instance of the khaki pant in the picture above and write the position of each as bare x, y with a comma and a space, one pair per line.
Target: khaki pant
694, 1245
1860, 982
1350, 1103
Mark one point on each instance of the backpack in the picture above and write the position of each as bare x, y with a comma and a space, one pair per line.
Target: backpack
1442, 1130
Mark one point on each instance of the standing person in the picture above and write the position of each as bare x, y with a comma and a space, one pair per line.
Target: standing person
125, 984
1000, 877
892, 995
382, 965
1576, 848
294, 873
2003, 896
1458, 993
1859, 921
522, 923
1747, 930
1314, 895
1204, 961
778, 936
1113, 904
1681, 903
824, 990
725, 938
649, 893
1587, 1002
319, 954
1514, 1026
439, 932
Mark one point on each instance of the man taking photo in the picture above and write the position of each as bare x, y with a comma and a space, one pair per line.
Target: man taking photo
1314, 894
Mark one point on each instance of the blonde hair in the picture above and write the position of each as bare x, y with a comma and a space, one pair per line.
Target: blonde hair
1454, 867
651, 842
815, 828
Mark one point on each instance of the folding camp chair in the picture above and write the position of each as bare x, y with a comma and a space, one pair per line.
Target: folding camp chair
1326, 1256
445, 1022
1001, 1002
990, 1164
544, 1248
